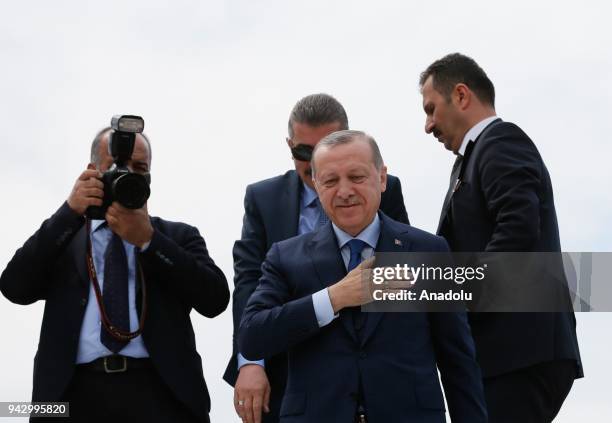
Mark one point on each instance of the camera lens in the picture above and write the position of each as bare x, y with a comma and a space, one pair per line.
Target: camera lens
131, 190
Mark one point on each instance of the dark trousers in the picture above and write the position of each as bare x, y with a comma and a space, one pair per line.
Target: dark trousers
530, 395
137, 395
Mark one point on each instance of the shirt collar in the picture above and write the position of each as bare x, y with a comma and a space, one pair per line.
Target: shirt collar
308, 195
474, 132
95, 224
369, 235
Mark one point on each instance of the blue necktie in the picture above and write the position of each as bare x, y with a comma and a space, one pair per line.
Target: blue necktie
323, 219
356, 246
115, 292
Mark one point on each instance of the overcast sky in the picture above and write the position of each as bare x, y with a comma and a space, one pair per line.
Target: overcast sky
215, 81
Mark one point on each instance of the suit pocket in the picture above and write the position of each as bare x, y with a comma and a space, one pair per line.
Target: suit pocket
293, 404
429, 395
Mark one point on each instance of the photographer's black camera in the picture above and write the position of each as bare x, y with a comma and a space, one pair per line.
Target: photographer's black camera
129, 189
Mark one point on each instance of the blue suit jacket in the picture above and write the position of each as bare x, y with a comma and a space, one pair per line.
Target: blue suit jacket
271, 214
395, 357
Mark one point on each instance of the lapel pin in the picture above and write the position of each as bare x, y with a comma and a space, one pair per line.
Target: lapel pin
398, 242
457, 185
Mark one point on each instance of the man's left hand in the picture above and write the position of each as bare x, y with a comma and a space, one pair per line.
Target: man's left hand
252, 393
132, 225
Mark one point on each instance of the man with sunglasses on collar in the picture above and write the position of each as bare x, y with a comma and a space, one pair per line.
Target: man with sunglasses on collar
276, 209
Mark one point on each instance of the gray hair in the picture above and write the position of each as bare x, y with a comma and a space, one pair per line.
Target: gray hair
316, 110
95, 145
345, 137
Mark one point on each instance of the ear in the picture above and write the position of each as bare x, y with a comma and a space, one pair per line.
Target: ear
462, 96
383, 179
288, 142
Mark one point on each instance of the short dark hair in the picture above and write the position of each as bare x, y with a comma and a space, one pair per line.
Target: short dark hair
316, 110
95, 145
456, 68
345, 137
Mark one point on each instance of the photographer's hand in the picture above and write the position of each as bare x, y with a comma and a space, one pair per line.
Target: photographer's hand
88, 191
132, 225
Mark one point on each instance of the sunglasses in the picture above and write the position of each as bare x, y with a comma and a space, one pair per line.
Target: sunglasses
302, 152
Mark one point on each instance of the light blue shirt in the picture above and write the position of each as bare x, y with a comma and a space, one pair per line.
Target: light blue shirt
309, 218
320, 299
90, 347
309, 211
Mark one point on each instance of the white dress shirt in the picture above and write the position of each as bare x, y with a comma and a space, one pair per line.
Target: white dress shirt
474, 132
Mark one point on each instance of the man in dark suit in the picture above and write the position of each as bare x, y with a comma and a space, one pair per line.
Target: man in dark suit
346, 365
125, 351
277, 209
500, 199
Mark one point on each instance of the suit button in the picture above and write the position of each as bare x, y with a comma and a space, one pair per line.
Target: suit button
362, 355
83, 301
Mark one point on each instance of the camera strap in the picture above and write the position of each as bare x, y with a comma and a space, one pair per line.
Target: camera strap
114, 331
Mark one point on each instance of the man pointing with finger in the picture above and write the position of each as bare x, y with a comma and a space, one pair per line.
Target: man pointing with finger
346, 365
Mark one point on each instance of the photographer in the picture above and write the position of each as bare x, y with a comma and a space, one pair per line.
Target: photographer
116, 340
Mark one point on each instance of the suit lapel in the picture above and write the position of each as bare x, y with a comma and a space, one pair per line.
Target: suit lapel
139, 280
455, 181
390, 240
329, 267
328, 264
77, 249
290, 204
466, 158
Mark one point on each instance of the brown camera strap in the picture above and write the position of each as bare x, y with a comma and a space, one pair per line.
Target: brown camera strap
114, 331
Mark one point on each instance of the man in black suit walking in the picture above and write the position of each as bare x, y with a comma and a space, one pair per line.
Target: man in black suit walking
500, 199
116, 340
276, 209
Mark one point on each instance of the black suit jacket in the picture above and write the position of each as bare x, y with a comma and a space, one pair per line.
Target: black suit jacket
179, 276
504, 203
271, 214
394, 360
